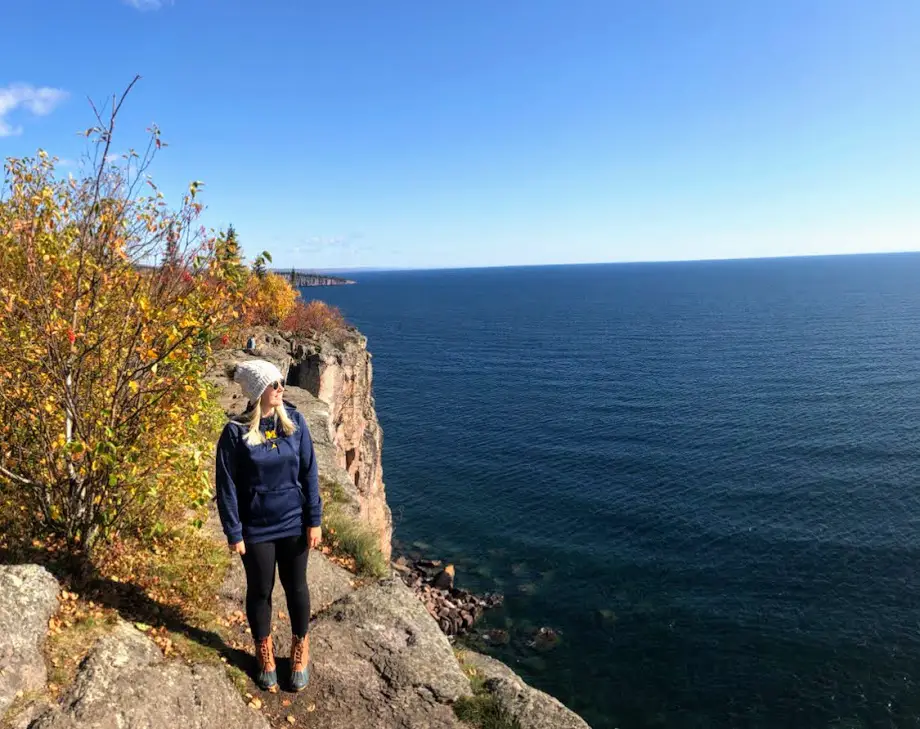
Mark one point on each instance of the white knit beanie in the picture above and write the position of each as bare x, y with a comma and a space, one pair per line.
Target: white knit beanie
255, 375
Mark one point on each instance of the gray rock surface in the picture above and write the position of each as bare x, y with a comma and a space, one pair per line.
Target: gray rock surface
380, 661
28, 598
125, 683
327, 581
23, 718
532, 708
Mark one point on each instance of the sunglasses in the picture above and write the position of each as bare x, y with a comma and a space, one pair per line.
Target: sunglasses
276, 385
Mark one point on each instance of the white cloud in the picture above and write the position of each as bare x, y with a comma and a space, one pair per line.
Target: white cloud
38, 101
143, 5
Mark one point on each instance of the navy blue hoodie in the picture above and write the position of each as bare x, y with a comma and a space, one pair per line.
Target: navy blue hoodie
270, 490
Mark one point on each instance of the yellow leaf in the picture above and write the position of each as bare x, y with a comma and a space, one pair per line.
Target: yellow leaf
133, 386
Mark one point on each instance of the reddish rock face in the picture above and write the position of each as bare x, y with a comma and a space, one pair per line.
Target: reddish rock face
337, 370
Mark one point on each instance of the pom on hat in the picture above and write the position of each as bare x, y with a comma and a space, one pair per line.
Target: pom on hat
254, 376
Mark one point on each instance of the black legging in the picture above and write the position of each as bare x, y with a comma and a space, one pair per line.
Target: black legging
290, 554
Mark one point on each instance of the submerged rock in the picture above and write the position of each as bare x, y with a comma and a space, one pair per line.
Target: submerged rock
545, 639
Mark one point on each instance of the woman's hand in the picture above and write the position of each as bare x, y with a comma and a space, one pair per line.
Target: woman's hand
314, 537
239, 547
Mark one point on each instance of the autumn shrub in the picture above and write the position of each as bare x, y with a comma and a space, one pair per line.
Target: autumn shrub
314, 317
270, 299
110, 302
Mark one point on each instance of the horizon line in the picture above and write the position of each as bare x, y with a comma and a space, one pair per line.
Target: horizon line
395, 269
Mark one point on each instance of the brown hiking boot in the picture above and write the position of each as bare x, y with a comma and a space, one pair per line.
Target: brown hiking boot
268, 674
300, 662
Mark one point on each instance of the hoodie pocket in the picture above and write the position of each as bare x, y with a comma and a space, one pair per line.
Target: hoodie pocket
276, 506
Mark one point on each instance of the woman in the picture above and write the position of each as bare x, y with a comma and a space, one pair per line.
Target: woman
270, 509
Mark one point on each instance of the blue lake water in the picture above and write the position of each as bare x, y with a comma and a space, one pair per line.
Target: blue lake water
703, 475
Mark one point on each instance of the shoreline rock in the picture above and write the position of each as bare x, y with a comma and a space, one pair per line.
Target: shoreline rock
455, 610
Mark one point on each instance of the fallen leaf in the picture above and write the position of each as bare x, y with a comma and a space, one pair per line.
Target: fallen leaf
286, 702
291, 719
256, 704
311, 708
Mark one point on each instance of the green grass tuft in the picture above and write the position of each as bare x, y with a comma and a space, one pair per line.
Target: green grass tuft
332, 491
483, 710
350, 538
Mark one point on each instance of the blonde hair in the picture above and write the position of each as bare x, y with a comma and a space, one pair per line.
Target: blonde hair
254, 436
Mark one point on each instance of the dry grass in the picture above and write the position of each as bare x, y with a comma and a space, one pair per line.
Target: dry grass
72, 631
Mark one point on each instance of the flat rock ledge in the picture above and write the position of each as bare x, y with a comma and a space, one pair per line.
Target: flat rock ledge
125, 683
530, 707
381, 661
28, 598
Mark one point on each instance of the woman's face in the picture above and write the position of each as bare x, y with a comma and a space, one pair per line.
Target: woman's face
272, 397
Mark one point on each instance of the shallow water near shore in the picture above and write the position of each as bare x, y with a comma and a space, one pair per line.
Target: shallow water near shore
702, 475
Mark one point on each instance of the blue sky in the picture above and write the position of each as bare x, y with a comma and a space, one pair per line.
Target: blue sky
428, 134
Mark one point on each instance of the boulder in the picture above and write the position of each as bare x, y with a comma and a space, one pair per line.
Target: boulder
444, 580
380, 661
28, 598
529, 707
125, 683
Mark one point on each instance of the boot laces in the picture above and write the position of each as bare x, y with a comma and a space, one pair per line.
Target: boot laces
265, 652
299, 647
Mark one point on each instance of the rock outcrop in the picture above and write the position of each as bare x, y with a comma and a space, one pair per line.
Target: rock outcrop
529, 707
126, 682
379, 658
337, 370
379, 661
28, 598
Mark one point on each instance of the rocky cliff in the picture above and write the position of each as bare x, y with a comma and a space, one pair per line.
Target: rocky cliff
339, 373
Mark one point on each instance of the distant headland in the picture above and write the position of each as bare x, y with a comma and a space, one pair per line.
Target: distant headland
300, 278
